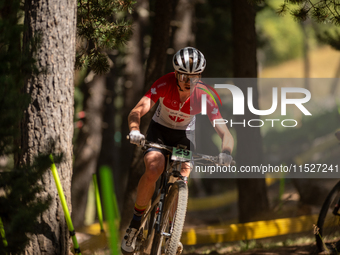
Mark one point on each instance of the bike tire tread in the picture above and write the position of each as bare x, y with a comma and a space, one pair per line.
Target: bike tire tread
322, 217
178, 188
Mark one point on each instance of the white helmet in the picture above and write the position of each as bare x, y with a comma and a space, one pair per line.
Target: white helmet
181, 61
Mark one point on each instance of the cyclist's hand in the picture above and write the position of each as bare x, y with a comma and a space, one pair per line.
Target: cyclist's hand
224, 159
136, 137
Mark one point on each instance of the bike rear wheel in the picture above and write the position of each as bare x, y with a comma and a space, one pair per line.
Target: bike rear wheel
328, 233
175, 207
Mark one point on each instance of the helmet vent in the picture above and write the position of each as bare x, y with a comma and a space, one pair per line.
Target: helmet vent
189, 60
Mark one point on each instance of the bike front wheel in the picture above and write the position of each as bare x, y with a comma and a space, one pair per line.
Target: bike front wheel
172, 222
327, 234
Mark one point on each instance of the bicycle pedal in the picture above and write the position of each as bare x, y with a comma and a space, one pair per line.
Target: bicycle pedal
140, 246
179, 248
140, 235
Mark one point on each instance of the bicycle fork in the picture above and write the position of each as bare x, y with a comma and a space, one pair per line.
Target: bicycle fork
160, 206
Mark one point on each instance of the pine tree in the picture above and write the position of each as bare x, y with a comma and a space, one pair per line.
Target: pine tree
13, 63
19, 205
102, 27
99, 28
321, 11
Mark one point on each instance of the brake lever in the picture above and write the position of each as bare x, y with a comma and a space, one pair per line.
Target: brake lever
142, 142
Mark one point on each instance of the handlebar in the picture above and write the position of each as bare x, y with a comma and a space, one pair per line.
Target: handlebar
195, 156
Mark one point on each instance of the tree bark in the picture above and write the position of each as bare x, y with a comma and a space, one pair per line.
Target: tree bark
183, 35
154, 70
88, 145
306, 57
50, 114
252, 192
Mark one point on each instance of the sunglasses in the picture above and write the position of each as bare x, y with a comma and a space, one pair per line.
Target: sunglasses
186, 77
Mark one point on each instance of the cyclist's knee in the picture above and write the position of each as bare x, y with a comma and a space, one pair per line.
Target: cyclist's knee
154, 164
186, 168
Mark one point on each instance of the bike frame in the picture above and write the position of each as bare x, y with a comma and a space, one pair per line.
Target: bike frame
172, 169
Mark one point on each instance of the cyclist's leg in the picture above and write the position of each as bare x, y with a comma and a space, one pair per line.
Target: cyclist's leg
154, 162
154, 166
185, 169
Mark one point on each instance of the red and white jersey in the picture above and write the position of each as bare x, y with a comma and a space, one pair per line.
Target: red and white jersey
174, 114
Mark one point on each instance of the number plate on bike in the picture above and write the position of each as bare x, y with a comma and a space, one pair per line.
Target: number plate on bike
180, 154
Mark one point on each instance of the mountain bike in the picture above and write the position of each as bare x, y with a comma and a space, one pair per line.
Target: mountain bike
327, 234
163, 221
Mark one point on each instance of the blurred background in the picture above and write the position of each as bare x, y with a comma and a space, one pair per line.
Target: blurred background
122, 48
284, 47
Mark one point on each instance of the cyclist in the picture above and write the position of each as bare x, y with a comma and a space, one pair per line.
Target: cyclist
172, 124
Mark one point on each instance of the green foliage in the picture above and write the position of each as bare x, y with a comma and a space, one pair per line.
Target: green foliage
300, 14
295, 1
280, 38
19, 204
321, 11
330, 37
282, 10
319, 14
99, 28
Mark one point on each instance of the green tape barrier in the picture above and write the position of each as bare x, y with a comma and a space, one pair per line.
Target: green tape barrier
2, 233
109, 207
98, 202
115, 204
65, 208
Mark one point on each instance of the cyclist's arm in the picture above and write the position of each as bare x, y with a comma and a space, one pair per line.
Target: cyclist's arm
227, 139
143, 106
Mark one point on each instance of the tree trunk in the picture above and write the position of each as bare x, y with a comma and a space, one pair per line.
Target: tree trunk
154, 70
50, 114
306, 58
183, 35
252, 192
88, 145
335, 81
311, 191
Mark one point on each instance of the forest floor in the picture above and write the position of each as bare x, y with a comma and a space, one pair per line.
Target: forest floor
307, 248
303, 246
298, 243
